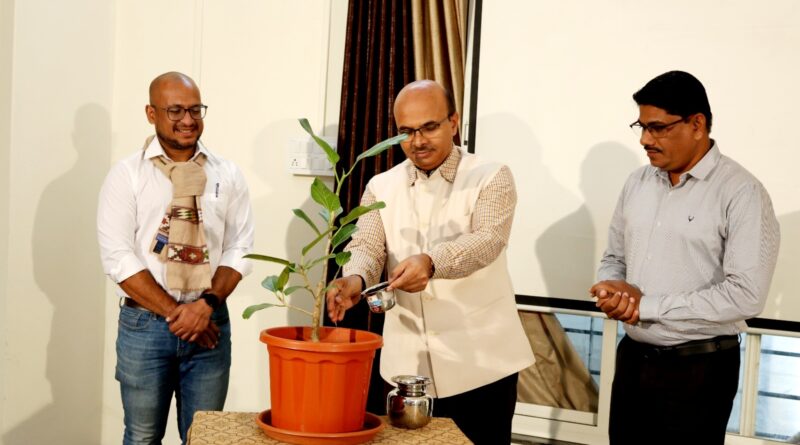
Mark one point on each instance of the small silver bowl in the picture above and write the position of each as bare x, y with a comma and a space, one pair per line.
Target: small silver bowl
378, 298
381, 302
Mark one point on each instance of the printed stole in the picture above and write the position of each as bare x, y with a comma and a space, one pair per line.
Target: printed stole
181, 241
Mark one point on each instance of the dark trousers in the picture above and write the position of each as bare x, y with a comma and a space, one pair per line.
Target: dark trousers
483, 414
669, 398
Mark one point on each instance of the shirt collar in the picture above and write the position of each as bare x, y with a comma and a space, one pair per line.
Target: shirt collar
154, 149
447, 169
702, 169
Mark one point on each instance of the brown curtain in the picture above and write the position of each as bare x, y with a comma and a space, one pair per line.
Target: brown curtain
440, 42
378, 62
558, 378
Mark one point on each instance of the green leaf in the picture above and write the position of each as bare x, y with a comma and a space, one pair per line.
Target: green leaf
342, 258
333, 157
324, 196
326, 214
382, 146
291, 289
317, 239
343, 234
361, 210
283, 278
318, 260
302, 215
250, 310
255, 256
271, 283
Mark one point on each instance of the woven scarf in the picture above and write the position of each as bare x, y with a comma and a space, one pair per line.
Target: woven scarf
181, 241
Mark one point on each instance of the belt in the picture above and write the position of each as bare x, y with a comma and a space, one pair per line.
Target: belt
694, 347
130, 302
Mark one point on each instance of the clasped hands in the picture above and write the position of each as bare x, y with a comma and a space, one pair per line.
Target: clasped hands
410, 275
192, 322
618, 299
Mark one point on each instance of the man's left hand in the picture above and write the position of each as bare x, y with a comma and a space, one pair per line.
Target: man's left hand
412, 274
189, 320
618, 299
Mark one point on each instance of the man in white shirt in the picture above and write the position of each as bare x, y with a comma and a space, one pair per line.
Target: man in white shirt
175, 263
441, 239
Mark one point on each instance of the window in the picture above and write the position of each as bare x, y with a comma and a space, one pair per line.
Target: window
778, 400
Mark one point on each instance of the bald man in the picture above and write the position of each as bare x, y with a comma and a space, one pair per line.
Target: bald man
442, 240
173, 223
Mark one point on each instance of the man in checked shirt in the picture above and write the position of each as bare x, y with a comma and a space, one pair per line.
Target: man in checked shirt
442, 239
691, 250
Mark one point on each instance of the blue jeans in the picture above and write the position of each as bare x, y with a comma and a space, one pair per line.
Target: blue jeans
152, 364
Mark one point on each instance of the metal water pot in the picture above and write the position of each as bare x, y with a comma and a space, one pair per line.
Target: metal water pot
408, 405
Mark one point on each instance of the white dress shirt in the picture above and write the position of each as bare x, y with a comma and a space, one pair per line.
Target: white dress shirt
134, 199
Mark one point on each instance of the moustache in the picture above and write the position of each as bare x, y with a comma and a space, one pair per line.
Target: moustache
652, 148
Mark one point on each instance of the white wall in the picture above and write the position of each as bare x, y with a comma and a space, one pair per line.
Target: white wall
59, 131
6, 39
73, 85
554, 102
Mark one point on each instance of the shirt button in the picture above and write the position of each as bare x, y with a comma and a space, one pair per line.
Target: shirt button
649, 257
658, 224
433, 333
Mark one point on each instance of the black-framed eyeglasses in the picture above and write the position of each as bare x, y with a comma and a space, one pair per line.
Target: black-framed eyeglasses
176, 113
655, 130
427, 130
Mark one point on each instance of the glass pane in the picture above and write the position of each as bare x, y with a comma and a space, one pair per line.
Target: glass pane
567, 368
778, 402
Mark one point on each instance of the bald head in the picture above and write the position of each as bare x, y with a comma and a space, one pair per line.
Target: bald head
429, 90
425, 112
173, 96
169, 79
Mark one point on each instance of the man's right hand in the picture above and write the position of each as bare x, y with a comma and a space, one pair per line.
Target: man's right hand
344, 294
189, 320
208, 338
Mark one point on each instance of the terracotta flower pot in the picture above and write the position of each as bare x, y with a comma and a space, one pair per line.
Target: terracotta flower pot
319, 387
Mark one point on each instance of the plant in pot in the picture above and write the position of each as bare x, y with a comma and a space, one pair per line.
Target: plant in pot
319, 376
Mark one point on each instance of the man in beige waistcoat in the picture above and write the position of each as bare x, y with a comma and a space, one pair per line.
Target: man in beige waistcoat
442, 241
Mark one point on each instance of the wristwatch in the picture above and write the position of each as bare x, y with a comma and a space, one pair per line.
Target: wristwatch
211, 299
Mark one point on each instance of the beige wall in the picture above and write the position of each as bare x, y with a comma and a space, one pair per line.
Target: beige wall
6, 39
73, 85
59, 133
558, 112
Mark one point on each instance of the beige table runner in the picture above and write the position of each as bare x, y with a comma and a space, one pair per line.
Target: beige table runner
229, 428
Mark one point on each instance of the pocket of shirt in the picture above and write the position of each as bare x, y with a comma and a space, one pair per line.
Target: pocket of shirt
215, 202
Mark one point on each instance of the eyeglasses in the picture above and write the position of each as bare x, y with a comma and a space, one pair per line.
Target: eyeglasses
656, 130
176, 113
426, 131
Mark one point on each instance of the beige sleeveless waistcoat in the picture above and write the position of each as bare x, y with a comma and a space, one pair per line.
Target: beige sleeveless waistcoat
463, 333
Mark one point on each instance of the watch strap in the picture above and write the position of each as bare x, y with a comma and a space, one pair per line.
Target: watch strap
213, 300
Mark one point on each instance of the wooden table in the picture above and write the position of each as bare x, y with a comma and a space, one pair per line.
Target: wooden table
229, 428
